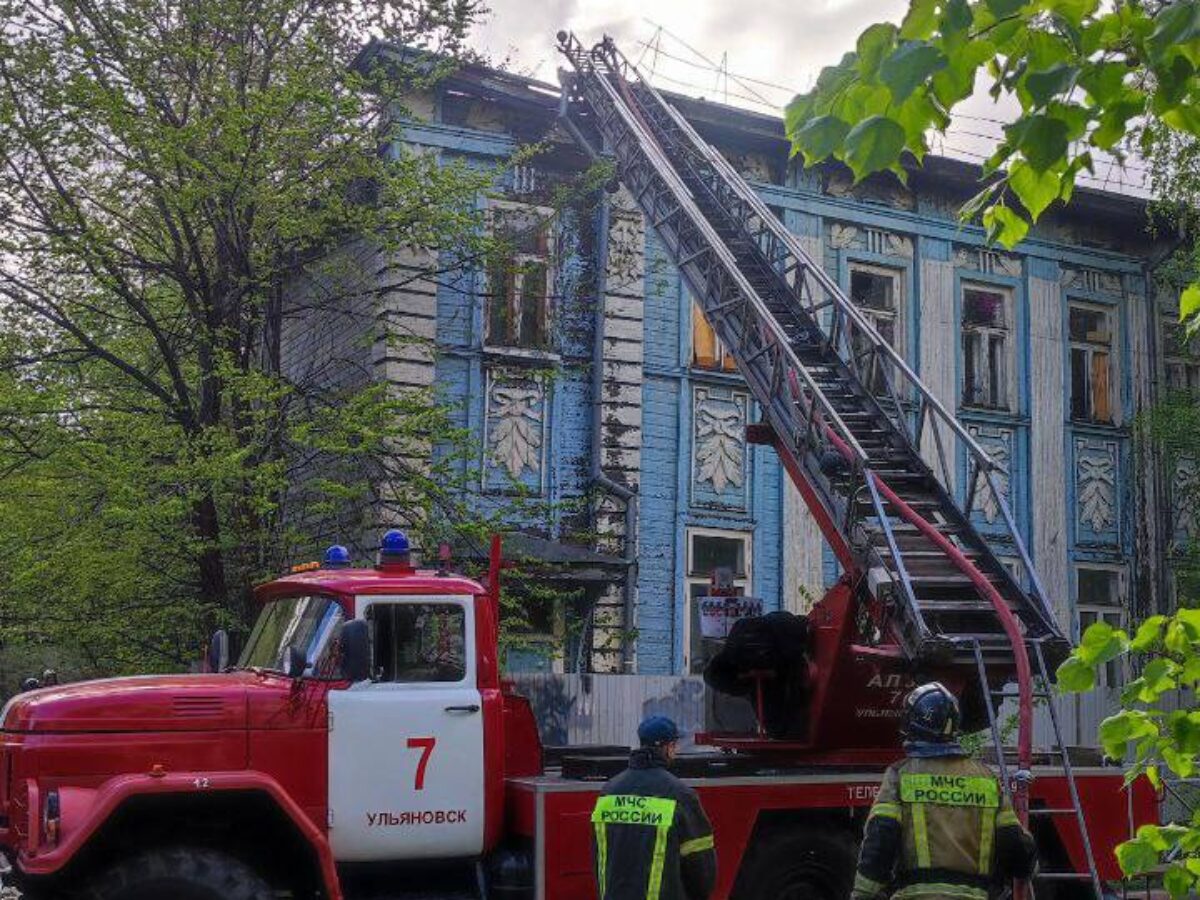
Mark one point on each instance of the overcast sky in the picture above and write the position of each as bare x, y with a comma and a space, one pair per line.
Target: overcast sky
771, 48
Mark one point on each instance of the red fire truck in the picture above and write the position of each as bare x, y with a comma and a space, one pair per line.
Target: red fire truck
366, 731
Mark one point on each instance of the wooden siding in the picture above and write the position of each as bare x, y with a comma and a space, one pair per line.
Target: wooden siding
1049, 469
938, 340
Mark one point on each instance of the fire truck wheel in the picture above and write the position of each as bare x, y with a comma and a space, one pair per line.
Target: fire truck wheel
804, 863
183, 873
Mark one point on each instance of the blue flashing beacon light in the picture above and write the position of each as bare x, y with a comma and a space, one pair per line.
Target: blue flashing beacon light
336, 557
394, 549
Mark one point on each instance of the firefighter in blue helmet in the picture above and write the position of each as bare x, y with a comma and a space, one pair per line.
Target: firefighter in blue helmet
651, 837
941, 827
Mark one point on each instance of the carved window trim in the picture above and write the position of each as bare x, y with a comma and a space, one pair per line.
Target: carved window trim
696, 585
521, 266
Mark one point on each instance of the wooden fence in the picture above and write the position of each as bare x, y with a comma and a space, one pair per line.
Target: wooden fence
606, 709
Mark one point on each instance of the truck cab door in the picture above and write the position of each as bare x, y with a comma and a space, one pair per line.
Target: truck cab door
406, 776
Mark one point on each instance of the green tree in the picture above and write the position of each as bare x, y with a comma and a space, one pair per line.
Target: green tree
1085, 76
1154, 733
165, 167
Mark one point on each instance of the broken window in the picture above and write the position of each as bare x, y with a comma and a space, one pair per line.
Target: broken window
726, 553
707, 350
877, 293
1091, 336
519, 278
1182, 356
1099, 597
986, 327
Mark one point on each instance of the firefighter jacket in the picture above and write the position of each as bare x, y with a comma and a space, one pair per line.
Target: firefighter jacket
941, 828
651, 838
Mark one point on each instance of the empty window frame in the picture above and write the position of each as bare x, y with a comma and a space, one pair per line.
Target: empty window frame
878, 293
721, 554
1092, 338
1182, 358
1100, 597
418, 642
987, 347
519, 277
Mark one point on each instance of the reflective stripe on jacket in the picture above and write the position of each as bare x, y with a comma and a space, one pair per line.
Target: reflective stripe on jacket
651, 838
941, 827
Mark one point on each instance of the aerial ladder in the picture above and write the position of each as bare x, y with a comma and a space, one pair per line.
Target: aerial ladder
923, 592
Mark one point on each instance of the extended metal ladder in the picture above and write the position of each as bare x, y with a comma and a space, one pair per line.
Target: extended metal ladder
848, 417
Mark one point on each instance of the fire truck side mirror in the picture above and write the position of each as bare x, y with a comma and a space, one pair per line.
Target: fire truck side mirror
218, 651
297, 661
356, 651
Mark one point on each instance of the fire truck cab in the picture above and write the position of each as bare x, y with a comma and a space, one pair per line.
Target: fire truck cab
363, 724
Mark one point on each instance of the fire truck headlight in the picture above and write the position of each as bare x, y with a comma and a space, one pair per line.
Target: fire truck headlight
51, 816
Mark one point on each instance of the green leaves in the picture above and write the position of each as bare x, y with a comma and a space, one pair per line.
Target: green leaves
1049, 83
820, 138
1189, 302
1101, 643
920, 21
911, 64
874, 144
1176, 24
1042, 139
1004, 225
1036, 190
1075, 676
873, 45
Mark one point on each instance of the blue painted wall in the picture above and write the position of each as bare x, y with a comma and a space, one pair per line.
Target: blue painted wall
673, 496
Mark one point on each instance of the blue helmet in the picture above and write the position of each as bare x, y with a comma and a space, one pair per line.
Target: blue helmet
931, 714
657, 730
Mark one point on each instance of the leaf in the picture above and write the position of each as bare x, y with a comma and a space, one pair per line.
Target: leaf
1184, 118
1075, 677
1182, 764
956, 18
1103, 81
1177, 23
873, 45
920, 21
1004, 225
911, 64
1177, 881
1041, 139
1148, 633
1035, 190
1049, 83
1113, 120
1002, 9
1102, 643
1074, 11
797, 113
1176, 639
820, 138
1189, 302
873, 144
956, 80
1115, 733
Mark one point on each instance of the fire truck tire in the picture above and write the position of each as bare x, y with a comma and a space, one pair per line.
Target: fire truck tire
806, 863
182, 873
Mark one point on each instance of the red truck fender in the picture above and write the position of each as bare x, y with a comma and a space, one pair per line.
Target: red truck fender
84, 811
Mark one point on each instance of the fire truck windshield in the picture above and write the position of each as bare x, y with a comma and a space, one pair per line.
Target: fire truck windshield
310, 624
